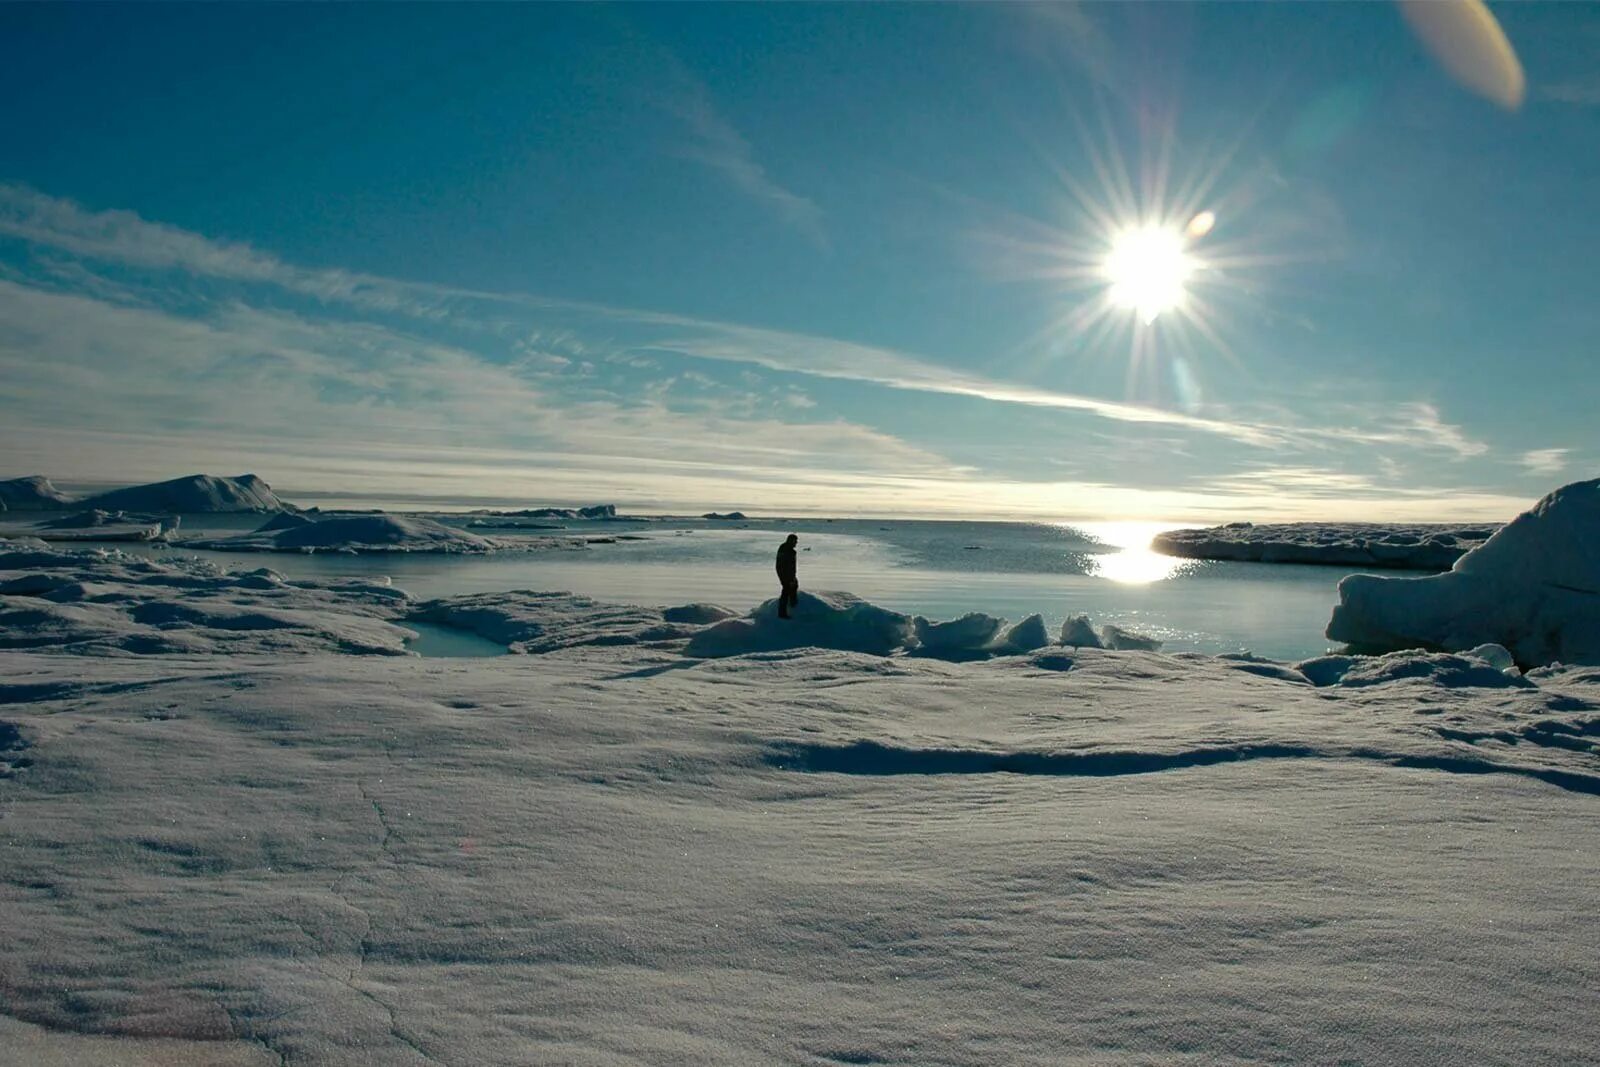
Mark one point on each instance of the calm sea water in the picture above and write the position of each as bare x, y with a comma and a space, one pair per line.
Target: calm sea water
937, 569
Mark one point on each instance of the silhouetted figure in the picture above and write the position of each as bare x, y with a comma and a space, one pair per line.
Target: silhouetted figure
790, 596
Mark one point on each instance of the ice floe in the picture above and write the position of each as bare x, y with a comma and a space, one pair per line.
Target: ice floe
351, 533
1353, 544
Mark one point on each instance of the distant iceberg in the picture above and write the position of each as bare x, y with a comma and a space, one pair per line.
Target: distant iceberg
33, 493
194, 493
350, 533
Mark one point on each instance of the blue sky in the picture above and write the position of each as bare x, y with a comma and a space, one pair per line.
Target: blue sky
798, 258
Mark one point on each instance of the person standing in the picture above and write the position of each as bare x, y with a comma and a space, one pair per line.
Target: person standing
790, 595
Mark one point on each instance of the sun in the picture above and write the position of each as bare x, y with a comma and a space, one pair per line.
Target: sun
1148, 268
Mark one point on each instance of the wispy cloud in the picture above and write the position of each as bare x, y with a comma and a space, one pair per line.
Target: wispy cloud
1544, 461
132, 331
124, 237
713, 141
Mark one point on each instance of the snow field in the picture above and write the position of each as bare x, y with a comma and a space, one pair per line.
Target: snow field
608, 855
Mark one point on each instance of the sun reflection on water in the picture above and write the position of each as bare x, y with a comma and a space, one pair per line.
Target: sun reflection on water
1134, 562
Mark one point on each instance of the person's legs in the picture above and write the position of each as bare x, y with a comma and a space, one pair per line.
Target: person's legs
787, 598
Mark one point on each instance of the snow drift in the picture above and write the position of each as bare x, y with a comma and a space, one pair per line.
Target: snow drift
1534, 588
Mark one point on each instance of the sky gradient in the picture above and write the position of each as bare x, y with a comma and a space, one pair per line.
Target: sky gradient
798, 259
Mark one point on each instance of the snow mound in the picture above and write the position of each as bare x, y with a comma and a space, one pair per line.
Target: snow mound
106, 603
355, 533
537, 623
820, 620
1533, 588
698, 614
1358, 544
1482, 669
195, 493
33, 493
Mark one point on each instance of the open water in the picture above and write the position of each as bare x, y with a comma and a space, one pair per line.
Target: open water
937, 569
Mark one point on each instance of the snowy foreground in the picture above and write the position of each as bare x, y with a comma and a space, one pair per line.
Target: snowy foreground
1402, 546
239, 827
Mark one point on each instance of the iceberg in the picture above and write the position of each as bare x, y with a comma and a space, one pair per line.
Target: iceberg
194, 493
33, 493
1533, 588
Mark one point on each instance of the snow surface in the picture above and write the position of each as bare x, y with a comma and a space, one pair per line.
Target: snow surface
1534, 588
353, 533
108, 604
1358, 544
606, 851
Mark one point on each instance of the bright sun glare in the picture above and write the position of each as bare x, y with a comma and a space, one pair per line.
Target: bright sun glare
1148, 268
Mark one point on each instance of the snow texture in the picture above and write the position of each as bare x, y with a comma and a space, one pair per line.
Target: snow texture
611, 855
108, 604
1350, 544
1533, 588
353, 533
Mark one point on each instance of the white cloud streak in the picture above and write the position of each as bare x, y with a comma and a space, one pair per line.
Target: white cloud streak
713, 141
1544, 461
99, 361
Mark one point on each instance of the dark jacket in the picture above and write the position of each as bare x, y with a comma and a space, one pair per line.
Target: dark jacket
786, 563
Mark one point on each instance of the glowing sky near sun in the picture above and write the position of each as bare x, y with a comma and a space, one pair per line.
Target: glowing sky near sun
1130, 261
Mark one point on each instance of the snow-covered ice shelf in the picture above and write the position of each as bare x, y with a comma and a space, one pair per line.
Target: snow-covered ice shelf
1348, 544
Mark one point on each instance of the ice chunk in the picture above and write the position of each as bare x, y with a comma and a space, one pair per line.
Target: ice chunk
1024, 636
1116, 638
966, 634
1078, 633
1533, 588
